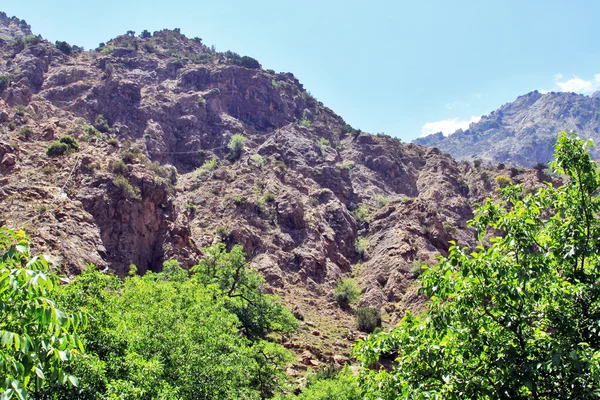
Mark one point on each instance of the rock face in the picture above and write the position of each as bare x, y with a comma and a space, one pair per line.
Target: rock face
309, 198
523, 133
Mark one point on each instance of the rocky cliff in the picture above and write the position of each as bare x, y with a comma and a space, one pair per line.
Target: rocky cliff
310, 198
523, 133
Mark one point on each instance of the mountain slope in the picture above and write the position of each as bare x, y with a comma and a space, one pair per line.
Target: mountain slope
309, 198
523, 132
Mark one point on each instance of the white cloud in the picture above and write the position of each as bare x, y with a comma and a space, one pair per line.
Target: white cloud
577, 84
457, 104
446, 126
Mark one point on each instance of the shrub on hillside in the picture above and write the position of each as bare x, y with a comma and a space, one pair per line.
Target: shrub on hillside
101, 124
57, 149
502, 181
368, 319
4, 82
236, 145
249, 62
70, 141
346, 292
64, 47
127, 189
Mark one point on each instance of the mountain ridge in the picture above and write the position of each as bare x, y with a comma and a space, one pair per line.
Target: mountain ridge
523, 132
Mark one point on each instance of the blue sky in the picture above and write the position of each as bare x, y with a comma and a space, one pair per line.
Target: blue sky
403, 68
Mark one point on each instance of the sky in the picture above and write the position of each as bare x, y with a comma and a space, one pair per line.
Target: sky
405, 68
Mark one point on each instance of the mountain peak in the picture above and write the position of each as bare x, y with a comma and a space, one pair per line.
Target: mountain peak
11, 27
524, 131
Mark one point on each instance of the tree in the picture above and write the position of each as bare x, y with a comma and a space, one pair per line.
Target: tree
145, 34
518, 318
176, 334
37, 338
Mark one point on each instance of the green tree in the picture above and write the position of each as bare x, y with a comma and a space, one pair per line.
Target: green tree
37, 339
175, 335
516, 319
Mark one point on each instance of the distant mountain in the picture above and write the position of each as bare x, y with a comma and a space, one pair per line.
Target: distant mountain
523, 132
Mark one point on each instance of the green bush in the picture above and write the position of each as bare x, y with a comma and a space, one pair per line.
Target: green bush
249, 62
341, 386
239, 200
322, 143
269, 197
381, 201
119, 167
368, 319
128, 157
70, 141
361, 214
32, 40
346, 292
361, 246
236, 145
127, 189
101, 124
4, 82
64, 47
258, 160
502, 181
345, 166
57, 149
145, 34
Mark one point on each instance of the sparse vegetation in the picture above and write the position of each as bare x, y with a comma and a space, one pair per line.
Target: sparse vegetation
381, 201
322, 143
239, 200
258, 160
4, 82
119, 167
345, 166
128, 157
101, 124
269, 197
26, 133
361, 214
128, 190
361, 246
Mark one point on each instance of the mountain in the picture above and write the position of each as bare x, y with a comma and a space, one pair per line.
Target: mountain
155, 146
523, 133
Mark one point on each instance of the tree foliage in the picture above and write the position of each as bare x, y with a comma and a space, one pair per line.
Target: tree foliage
176, 335
518, 319
37, 338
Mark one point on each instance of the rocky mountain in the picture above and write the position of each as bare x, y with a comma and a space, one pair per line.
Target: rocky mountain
127, 155
523, 133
